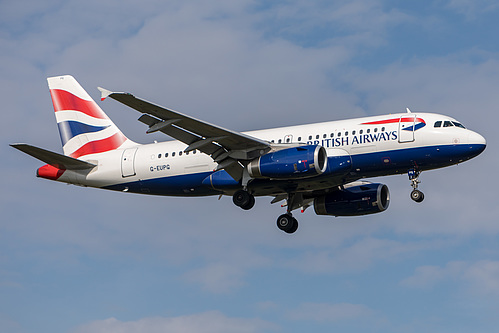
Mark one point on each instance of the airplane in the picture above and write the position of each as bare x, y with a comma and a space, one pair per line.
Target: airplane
323, 165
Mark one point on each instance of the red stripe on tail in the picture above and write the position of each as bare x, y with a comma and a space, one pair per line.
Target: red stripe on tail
64, 100
100, 146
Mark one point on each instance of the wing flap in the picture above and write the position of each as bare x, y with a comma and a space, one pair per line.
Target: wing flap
54, 159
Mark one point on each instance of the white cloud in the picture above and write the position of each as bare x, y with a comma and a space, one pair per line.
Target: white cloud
481, 277
217, 278
325, 312
208, 322
359, 256
471, 9
429, 276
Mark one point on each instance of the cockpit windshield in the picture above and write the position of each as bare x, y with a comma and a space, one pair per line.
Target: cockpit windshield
458, 124
448, 123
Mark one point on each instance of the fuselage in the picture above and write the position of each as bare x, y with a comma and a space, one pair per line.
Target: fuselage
359, 148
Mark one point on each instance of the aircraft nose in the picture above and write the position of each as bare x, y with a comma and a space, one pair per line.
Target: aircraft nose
477, 143
476, 139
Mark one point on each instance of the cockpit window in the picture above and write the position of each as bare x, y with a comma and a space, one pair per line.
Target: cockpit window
458, 124
438, 124
448, 124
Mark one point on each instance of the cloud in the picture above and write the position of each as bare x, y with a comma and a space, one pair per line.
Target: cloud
429, 276
359, 256
472, 9
481, 277
217, 277
208, 322
325, 312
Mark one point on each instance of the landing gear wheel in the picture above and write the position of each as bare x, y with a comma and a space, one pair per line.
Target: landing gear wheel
417, 196
287, 223
250, 204
295, 226
243, 199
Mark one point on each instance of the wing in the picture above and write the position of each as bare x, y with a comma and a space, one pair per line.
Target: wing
231, 150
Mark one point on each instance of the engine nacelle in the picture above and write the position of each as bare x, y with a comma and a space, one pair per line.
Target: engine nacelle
290, 163
354, 201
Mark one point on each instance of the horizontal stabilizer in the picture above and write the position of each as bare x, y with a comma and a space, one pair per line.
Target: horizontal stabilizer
54, 159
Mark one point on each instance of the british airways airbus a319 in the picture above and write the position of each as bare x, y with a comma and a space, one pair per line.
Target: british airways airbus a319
321, 165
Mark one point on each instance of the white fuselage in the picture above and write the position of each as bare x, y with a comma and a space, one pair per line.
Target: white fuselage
378, 145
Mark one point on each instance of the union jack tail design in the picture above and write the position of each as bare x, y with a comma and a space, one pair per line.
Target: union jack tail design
84, 128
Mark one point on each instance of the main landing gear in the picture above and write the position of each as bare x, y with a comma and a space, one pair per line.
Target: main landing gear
243, 199
285, 222
416, 194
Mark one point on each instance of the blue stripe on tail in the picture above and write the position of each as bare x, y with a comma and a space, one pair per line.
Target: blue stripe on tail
70, 129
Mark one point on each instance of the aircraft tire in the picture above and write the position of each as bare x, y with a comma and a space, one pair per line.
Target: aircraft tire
287, 223
242, 198
250, 204
417, 196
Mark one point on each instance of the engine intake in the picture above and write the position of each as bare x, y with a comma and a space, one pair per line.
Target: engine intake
290, 163
354, 201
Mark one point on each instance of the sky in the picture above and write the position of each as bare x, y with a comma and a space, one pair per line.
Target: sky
81, 260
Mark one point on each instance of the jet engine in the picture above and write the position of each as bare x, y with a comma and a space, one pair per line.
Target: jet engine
356, 200
290, 163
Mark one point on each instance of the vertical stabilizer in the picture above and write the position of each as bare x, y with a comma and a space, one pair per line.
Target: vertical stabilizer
84, 128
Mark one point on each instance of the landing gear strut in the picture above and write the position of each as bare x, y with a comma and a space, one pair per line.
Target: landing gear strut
416, 194
243, 199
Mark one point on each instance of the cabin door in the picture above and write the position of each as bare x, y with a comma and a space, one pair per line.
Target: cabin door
407, 124
128, 162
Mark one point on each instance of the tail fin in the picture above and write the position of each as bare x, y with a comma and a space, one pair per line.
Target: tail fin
84, 128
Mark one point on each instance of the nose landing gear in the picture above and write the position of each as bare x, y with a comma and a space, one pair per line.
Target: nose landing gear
416, 194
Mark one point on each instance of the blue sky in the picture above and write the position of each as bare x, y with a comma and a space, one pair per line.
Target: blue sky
85, 260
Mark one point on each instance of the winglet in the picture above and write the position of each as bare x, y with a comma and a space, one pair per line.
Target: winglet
408, 110
104, 93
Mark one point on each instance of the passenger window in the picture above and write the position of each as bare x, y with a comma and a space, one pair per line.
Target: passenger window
287, 140
187, 153
438, 124
346, 133
375, 130
332, 134
324, 136
173, 154
368, 130
361, 131
299, 138
159, 155
194, 152
279, 141
310, 137
166, 155
353, 132
180, 153
382, 129
339, 134
448, 124
317, 136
